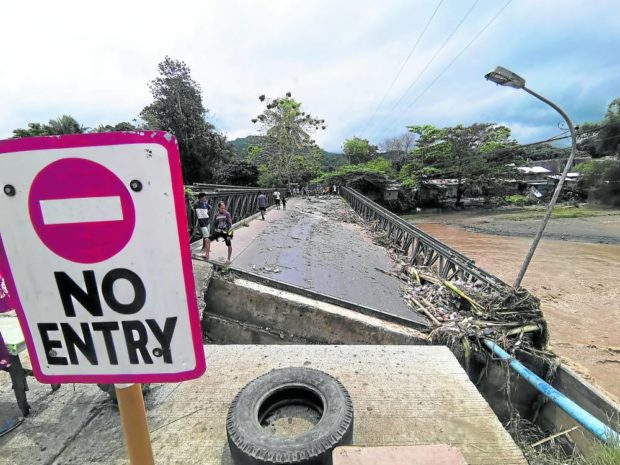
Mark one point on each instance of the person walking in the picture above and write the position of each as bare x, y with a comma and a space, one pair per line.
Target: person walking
222, 221
284, 202
276, 196
262, 204
13, 422
203, 210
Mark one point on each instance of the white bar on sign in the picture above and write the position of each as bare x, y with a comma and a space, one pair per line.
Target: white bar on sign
81, 210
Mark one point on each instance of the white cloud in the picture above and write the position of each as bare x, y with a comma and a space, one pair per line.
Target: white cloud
338, 58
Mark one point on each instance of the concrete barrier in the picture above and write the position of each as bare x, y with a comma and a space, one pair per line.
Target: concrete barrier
240, 311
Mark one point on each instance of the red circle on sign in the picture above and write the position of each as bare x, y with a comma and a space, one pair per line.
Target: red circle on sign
81, 210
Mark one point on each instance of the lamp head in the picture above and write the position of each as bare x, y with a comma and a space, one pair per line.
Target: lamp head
504, 77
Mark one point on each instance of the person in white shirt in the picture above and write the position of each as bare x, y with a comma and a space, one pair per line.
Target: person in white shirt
276, 196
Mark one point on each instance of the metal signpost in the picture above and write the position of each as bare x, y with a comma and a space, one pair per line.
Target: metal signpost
94, 249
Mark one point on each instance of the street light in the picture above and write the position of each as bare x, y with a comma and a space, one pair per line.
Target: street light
504, 77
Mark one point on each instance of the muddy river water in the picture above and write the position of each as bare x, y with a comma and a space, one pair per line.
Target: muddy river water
577, 284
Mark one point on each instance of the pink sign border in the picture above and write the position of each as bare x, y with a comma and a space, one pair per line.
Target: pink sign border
169, 143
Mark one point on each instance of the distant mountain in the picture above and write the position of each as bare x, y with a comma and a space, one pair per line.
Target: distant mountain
332, 161
242, 143
329, 162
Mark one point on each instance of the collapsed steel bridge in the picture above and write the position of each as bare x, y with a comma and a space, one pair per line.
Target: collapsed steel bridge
422, 249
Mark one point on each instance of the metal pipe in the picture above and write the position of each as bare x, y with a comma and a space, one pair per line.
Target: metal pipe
558, 188
584, 418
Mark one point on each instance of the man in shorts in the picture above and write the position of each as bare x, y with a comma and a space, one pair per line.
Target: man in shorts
276, 196
262, 204
222, 228
203, 209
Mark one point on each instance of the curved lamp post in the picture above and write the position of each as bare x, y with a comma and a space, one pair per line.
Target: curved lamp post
504, 77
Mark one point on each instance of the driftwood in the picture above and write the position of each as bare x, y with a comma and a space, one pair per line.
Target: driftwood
556, 435
435, 321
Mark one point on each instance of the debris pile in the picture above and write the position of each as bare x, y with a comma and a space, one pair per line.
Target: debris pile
473, 310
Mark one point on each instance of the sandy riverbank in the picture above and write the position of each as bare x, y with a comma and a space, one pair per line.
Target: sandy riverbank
584, 224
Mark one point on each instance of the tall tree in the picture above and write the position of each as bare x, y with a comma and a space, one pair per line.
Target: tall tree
473, 155
64, 124
357, 150
177, 107
400, 145
288, 153
238, 172
602, 138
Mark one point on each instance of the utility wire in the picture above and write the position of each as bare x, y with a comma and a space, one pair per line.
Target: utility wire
428, 64
415, 45
457, 56
568, 136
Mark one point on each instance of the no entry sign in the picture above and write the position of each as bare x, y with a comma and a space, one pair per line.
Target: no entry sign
95, 252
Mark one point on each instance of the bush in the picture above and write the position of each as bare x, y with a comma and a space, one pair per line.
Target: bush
516, 200
601, 180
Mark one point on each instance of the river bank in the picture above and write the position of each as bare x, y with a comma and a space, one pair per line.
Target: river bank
584, 224
575, 279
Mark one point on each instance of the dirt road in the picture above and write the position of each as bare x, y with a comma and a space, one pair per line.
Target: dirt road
577, 283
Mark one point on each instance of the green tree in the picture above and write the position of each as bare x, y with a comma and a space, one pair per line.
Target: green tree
118, 127
473, 155
379, 168
237, 172
64, 124
287, 152
177, 107
357, 150
601, 180
602, 138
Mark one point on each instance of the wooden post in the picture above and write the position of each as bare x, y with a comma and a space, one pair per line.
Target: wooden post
135, 426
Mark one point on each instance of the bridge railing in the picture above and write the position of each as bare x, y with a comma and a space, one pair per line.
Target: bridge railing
241, 202
422, 249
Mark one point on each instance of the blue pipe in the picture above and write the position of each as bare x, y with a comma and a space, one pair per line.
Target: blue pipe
585, 419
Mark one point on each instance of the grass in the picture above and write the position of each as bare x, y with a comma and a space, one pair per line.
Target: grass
603, 455
559, 451
561, 211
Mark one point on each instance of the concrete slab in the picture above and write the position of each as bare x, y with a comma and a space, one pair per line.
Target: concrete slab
402, 395
311, 246
436, 454
54, 421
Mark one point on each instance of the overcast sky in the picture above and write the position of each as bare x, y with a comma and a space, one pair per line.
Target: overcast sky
339, 58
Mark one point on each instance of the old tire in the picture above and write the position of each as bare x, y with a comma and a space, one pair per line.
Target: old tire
251, 444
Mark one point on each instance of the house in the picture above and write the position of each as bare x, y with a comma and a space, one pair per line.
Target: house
390, 192
533, 172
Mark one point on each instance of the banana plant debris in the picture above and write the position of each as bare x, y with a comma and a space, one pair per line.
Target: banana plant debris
459, 309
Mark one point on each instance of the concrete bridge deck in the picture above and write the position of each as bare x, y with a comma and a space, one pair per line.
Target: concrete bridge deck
402, 395
315, 245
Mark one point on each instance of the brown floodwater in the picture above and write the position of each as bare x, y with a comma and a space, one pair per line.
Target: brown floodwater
577, 284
